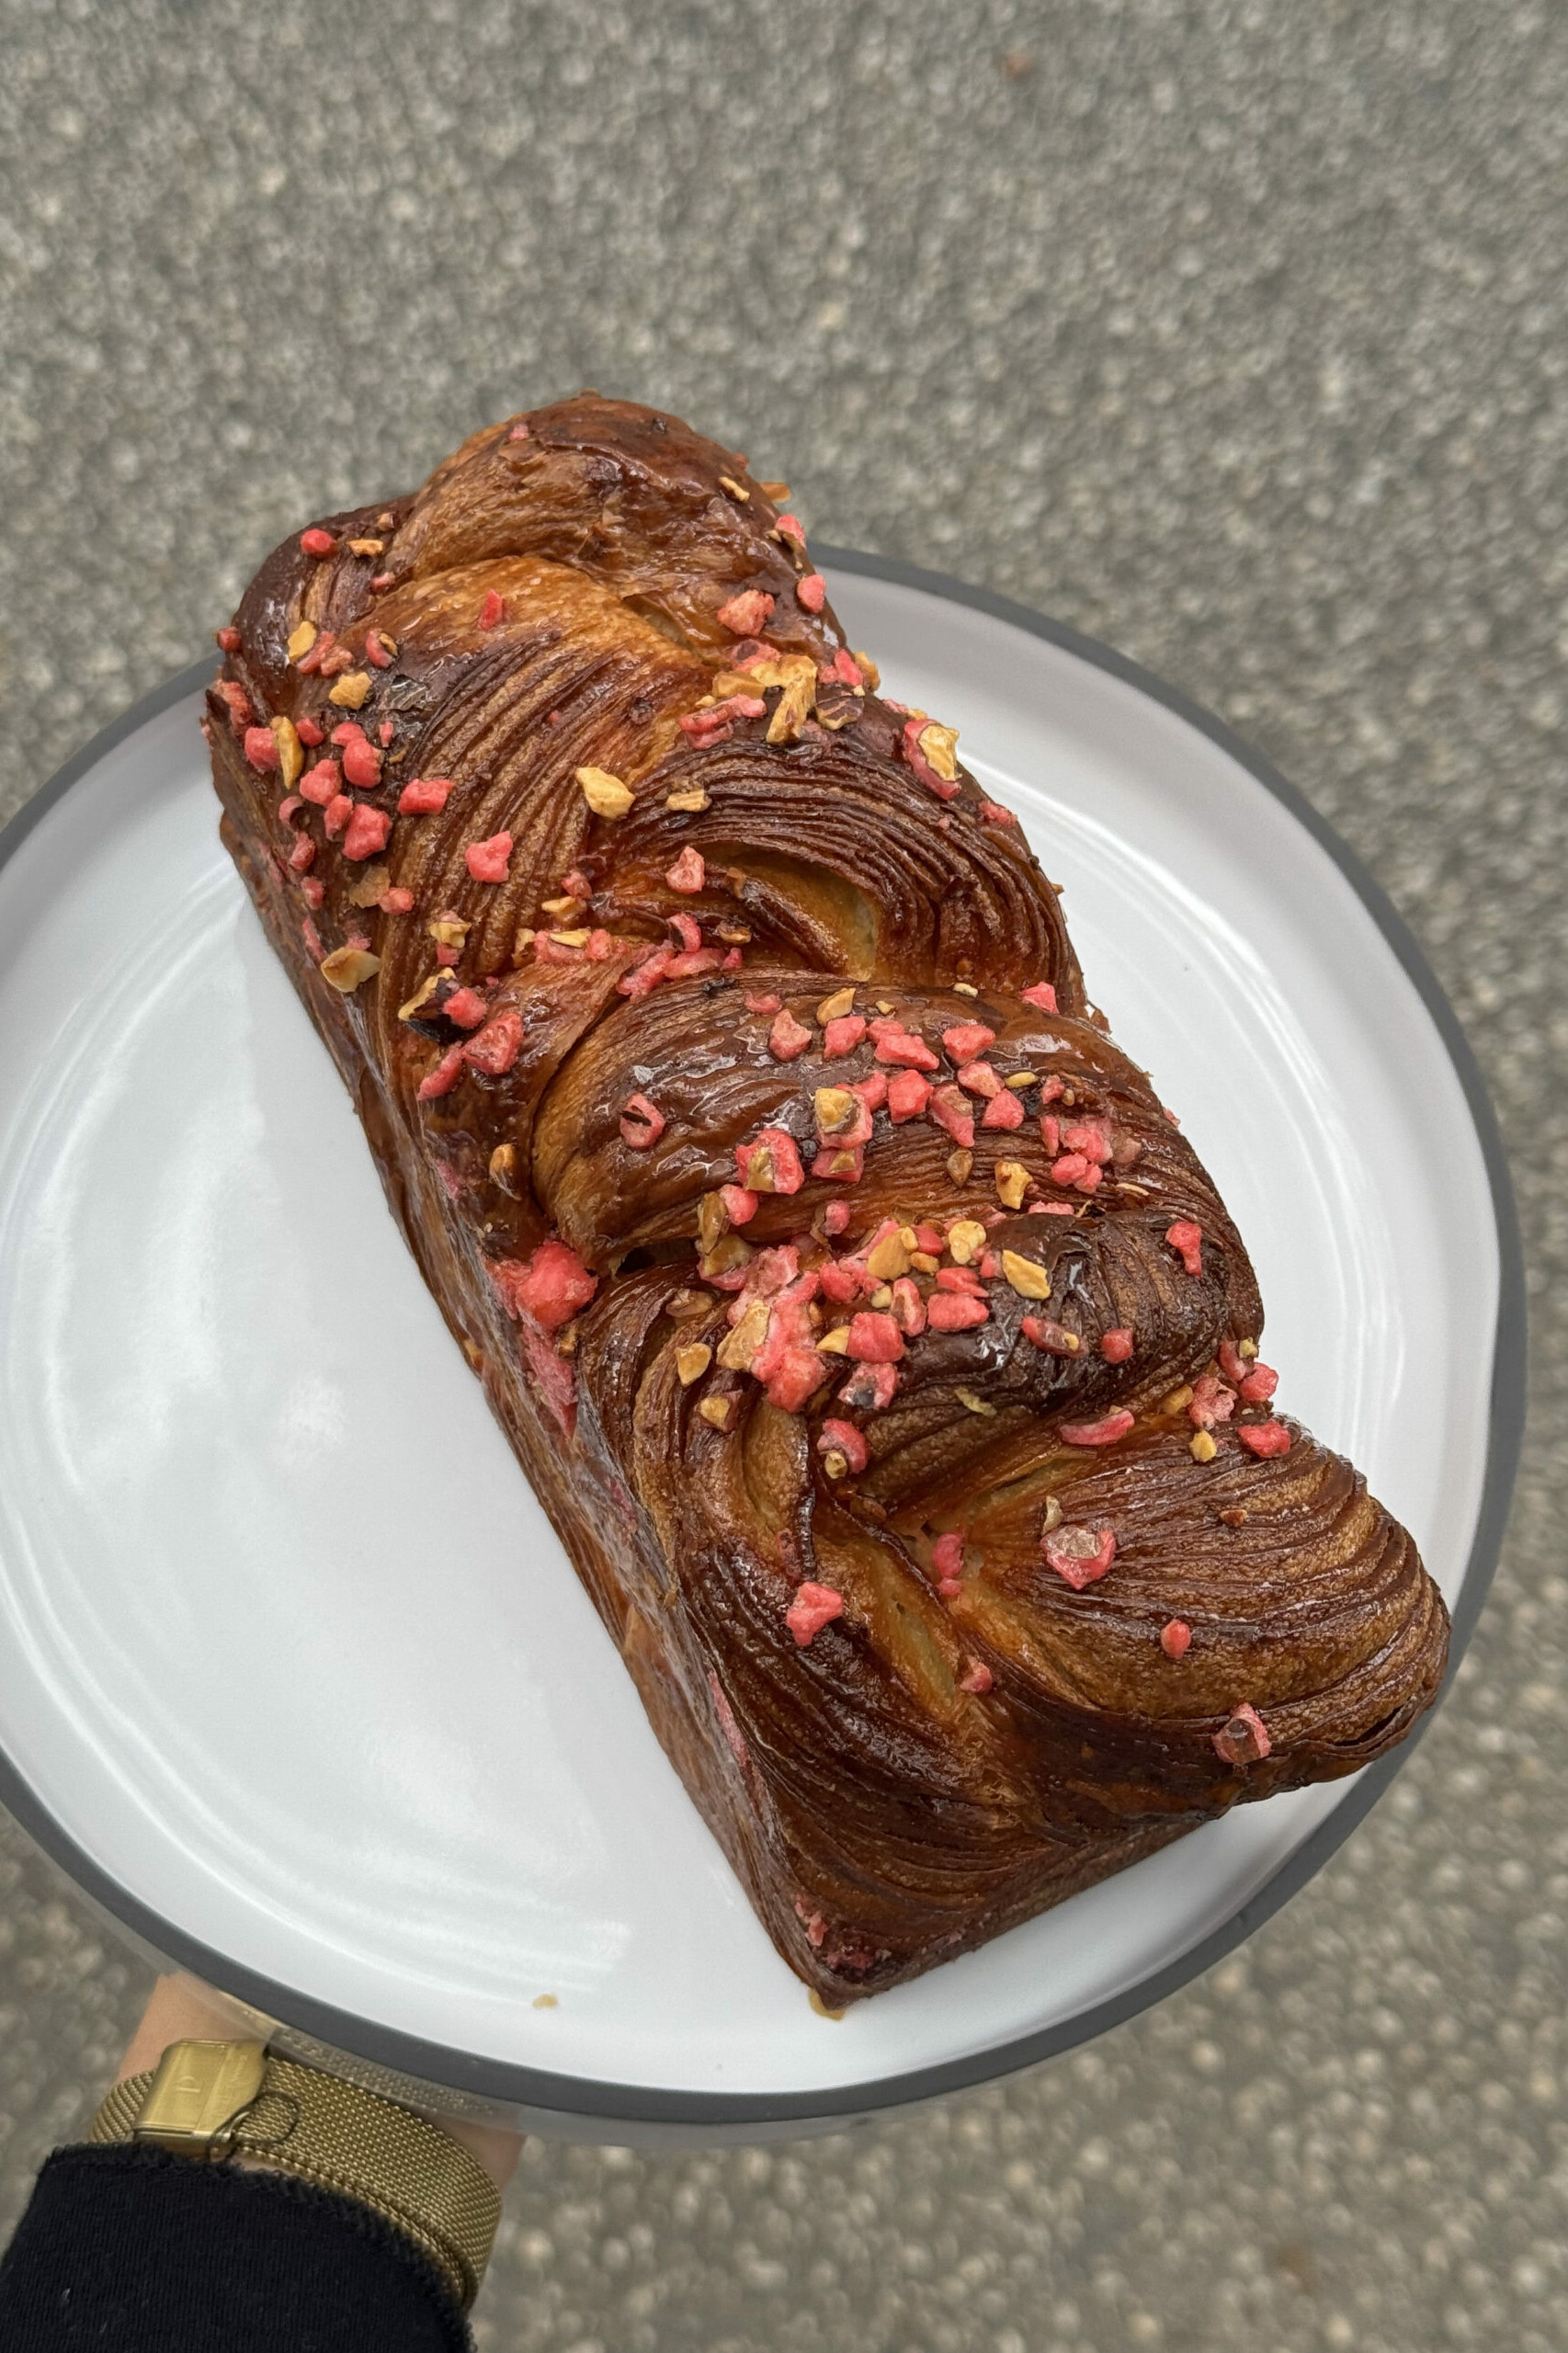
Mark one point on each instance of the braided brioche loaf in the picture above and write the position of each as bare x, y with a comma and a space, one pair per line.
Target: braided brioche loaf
883, 1355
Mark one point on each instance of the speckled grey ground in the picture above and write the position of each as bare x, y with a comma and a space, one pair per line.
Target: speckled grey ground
1232, 332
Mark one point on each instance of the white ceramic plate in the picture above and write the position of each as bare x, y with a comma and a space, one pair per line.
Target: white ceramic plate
294, 1676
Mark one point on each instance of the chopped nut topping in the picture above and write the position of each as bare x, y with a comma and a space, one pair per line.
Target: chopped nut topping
720, 1411
300, 640
421, 996
728, 1253
371, 887
966, 988
368, 547
971, 1403
889, 1259
712, 1220
349, 692
693, 1361
869, 670
571, 938
1031, 1280
835, 1343
774, 490
692, 798
349, 968
740, 1343
604, 794
1202, 1447
940, 748
1247, 1349
834, 1007
798, 676
1022, 1080
966, 1240
1178, 1400
449, 931
1012, 1183
922, 1263
736, 491
835, 1109
566, 906
759, 1170
958, 1165
290, 752
504, 1166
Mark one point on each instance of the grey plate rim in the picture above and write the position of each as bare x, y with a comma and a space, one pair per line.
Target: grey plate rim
589, 2098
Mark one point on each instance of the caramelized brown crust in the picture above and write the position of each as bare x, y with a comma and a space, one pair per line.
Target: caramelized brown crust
937, 1625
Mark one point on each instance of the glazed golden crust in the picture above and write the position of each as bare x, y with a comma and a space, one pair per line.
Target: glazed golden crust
881, 1351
